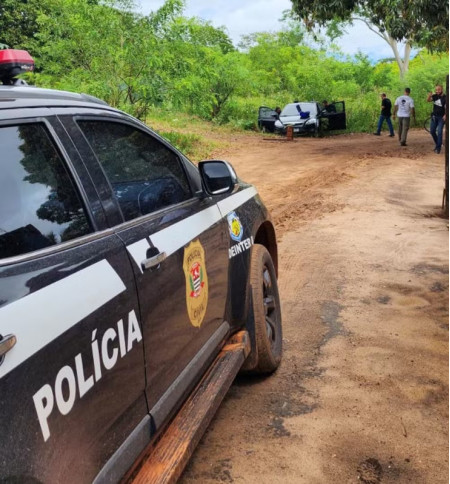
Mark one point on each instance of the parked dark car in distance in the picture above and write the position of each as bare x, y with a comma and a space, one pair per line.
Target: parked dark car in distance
305, 117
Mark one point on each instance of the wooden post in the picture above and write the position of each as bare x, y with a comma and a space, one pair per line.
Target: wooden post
445, 200
290, 133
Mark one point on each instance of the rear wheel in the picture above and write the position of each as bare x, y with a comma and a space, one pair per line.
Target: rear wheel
427, 124
266, 310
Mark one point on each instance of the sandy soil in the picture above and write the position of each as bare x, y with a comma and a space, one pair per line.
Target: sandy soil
362, 392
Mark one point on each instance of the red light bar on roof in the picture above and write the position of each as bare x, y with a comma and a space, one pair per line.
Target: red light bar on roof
14, 62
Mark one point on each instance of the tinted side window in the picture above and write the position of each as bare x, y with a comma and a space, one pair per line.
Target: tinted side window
339, 107
39, 204
144, 174
266, 112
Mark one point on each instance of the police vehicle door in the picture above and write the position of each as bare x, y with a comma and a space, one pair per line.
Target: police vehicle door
178, 244
71, 352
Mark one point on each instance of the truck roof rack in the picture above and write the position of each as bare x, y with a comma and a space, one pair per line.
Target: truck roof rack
21, 92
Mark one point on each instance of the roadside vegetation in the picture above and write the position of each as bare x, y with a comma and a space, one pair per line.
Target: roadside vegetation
180, 72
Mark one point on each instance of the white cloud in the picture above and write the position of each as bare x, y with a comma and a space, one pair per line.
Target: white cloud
237, 16
241, 17
360, 38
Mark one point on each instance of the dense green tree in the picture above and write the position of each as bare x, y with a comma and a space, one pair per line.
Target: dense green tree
424, 22
420, 22
167, 63
134, 61
18, 22
106, 50
199, 33
161, 20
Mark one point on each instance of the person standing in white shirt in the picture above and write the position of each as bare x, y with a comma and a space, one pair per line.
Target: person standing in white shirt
404, 106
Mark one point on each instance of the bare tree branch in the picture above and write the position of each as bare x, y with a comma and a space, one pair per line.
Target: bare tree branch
371, 27
403, 63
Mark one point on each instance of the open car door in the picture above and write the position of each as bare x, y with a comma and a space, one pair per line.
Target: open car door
334, 116
266, 119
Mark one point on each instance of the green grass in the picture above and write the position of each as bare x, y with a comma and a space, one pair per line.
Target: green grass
166, 120
187, 133
193, 146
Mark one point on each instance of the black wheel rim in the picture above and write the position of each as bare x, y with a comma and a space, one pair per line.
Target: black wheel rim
270, 306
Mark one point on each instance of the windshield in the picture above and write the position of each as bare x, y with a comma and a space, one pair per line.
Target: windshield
291, 109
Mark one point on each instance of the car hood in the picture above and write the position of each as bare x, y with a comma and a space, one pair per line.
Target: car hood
291, 120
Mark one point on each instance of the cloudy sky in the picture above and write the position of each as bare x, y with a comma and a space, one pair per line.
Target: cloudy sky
245, 16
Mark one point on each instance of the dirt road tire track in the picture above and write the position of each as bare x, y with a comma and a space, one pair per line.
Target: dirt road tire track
362, 391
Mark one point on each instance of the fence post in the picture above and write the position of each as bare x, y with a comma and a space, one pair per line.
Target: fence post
446, 189
290, 133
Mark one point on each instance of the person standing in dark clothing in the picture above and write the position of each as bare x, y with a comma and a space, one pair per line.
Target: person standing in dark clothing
439, 101
386, 111
328, 108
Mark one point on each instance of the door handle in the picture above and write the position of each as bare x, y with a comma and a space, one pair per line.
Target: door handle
6, 343
154, 261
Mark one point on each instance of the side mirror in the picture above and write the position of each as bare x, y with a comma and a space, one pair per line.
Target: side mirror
218, 176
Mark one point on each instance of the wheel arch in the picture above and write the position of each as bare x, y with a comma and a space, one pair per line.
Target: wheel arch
265, 235
240, 310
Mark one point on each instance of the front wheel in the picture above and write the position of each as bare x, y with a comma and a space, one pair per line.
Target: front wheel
427, 124
317, 131
266, 310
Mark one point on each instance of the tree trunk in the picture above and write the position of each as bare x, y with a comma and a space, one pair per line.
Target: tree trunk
403, 63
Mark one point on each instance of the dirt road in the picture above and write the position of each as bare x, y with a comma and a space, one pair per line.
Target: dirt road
362, 392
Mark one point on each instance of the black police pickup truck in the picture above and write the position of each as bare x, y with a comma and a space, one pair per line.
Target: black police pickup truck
133, 285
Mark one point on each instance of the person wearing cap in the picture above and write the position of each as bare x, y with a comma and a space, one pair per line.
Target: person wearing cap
403, 108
